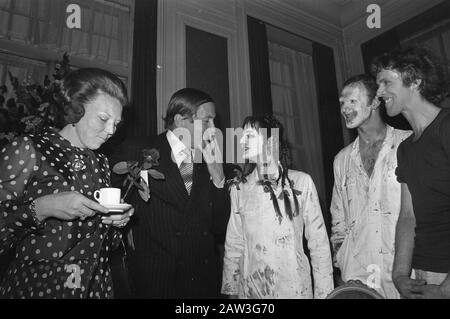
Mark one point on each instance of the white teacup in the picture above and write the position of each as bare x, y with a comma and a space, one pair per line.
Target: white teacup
108, 196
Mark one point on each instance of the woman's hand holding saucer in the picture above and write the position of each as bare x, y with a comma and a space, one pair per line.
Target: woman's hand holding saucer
118, 220
67, 206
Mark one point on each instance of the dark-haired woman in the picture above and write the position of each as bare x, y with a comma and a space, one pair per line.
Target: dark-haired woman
270, 210
61, 236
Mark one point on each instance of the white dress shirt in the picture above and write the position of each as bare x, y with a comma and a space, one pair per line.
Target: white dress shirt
179, 153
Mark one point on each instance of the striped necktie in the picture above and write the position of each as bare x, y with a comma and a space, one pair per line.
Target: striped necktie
186, 170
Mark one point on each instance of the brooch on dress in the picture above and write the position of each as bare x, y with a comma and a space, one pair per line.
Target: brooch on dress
78, 164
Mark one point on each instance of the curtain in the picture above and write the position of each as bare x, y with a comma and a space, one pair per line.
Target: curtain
104, 35
142, 119
259, 68
295, 104
329, 117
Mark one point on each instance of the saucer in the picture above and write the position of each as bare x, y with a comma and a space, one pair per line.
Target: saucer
118, 208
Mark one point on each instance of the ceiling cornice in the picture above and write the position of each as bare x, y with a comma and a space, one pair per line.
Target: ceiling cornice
294, 20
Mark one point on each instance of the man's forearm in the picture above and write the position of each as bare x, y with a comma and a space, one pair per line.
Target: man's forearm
404, 246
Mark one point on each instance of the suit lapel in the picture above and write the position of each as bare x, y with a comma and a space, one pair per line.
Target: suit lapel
171, 189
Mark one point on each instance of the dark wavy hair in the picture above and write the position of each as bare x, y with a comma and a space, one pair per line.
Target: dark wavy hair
81, 86
367, 81
269, 122
185, 102
415, 63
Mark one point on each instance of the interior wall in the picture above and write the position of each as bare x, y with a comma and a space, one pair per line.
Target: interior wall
229, 19
395, 38
393, 13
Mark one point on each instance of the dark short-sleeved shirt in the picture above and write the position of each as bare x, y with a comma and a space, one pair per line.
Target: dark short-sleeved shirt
424, 165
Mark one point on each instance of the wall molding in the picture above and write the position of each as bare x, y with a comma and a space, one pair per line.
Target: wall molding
232, 48
174, 18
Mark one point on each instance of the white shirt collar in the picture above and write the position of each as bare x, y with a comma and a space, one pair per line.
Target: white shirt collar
177, 147
389, 136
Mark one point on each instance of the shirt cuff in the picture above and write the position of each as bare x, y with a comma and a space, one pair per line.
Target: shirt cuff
220, 184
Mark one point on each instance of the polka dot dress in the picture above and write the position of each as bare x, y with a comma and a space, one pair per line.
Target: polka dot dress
57, 259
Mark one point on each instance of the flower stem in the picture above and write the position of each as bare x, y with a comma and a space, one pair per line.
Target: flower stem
128, 190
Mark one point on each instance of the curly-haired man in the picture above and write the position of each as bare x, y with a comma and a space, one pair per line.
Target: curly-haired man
411, 82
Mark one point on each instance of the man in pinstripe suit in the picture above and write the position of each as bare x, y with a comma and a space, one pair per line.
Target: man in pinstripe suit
177, 231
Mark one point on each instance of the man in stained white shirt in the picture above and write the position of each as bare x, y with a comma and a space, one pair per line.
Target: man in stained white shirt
366, 195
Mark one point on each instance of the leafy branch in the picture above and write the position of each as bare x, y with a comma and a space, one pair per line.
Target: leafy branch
34, 106
133, 170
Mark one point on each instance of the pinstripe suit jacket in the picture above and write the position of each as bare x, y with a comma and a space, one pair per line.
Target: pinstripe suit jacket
175, 234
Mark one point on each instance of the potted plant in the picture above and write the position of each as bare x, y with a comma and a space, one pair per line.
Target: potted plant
34, 107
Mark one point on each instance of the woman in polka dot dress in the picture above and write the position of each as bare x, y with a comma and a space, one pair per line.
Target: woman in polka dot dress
61, 236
